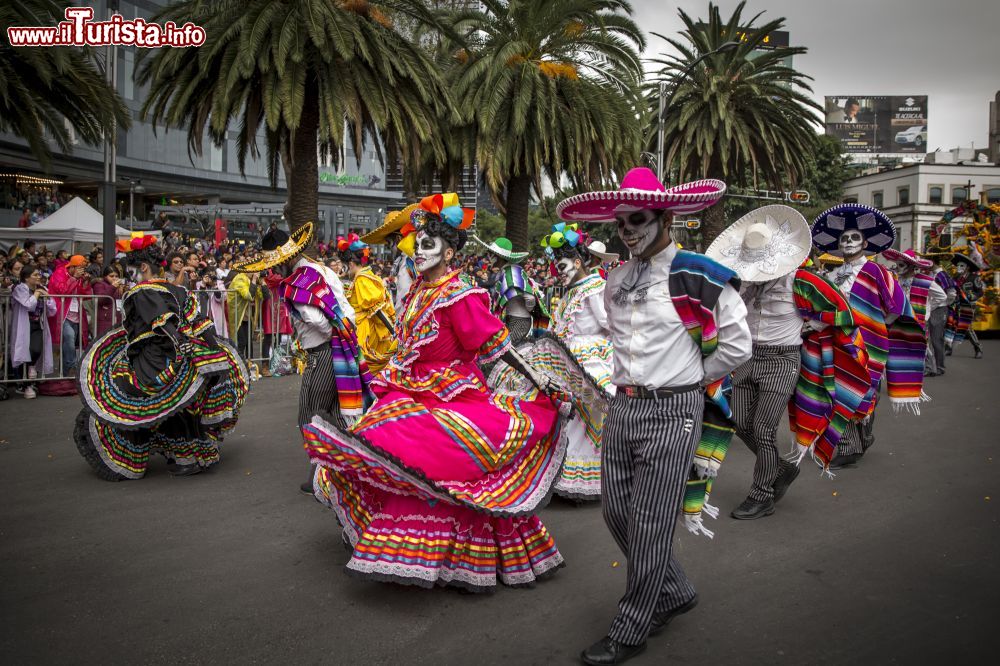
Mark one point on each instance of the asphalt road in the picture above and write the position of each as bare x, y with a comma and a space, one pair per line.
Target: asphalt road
893, 562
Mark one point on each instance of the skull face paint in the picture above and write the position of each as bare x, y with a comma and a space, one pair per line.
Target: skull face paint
902, 268
961, 268
428, 252
851, 244
639, 230
567, 269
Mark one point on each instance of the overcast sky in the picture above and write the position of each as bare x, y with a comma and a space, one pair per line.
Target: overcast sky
948, 50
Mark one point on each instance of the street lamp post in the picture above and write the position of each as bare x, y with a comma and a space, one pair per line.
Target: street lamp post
666, 102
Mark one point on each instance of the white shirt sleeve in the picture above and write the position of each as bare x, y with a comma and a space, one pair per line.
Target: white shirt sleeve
735, 344
600, 314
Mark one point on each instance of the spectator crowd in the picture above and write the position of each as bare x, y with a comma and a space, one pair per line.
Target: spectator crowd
53, 303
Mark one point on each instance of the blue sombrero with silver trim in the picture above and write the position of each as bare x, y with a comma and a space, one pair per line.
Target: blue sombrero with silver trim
873, 224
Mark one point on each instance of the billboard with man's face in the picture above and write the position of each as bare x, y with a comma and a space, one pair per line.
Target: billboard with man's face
887, 124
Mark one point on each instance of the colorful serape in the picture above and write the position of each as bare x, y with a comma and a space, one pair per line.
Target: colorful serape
920, 287
695, 284
896, 350
306, 286
833, 377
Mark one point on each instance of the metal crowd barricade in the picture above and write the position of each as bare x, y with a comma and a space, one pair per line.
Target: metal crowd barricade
249, 336
64, 357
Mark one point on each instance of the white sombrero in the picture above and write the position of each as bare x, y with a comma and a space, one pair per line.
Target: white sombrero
600, 250
641, 189
765, 244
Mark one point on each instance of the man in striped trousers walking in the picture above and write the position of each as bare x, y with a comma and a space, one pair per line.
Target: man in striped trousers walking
676, 324
766, 247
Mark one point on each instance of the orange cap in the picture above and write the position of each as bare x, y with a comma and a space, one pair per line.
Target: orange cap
77, 260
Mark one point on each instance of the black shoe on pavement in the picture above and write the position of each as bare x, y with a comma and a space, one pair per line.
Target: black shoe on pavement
849, 460
306, 488
788, 474
752, 509
661, 620
607, 651
184, 470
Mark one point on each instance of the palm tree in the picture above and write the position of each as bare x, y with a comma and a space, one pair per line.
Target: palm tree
46, 88
741, 115
552, 89
314, 74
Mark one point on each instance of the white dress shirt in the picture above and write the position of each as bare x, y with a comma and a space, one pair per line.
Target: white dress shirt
651, 346
936, 298
844, 275
312, 326
772, 316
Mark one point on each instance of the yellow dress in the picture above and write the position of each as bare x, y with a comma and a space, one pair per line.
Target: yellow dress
368, 295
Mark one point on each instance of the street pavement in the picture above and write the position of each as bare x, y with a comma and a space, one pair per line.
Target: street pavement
892, 562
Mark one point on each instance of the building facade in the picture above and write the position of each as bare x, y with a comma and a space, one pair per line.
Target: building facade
916, 196
354, 197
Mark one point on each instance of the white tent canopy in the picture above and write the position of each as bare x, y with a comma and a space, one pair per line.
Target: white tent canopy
75, 226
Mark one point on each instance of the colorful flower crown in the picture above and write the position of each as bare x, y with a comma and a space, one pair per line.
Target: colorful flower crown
354, 244
138, 241
564, 234
444, 207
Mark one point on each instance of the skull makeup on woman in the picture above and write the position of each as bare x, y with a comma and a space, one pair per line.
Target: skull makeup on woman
428, 252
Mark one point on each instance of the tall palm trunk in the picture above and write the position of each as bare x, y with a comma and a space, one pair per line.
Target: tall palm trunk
713, 223
518, 197
302, 173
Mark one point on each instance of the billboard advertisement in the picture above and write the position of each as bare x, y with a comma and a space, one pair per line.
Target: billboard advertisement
886, 124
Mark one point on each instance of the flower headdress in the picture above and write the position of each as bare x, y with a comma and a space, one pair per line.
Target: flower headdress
564, 235
444, 207
138, 241
354, 244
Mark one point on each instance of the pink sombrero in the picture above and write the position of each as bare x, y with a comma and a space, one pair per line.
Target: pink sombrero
641, 189
909, 257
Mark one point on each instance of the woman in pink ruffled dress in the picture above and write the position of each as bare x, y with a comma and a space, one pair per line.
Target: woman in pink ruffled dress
437, 484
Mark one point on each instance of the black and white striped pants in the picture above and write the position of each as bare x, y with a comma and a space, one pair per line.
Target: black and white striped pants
646, 453
318, 394
761, 389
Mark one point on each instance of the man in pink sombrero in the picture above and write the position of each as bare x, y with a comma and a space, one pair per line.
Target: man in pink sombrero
925, 295
678, 329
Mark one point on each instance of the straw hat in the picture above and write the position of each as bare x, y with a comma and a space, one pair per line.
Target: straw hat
277, 248
392, 223
600, 250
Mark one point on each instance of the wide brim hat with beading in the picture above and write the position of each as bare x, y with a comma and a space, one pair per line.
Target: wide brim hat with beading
910, 257
765, 244
876, 227
277, 248
641, 189
392, 223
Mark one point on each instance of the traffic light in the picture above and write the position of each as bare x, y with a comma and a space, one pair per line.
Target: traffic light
799, 196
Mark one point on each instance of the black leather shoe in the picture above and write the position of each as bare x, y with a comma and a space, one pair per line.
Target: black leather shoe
849, 460
307, 489
661, 620
979, 353
752, 509
606, 651
788, 474
184, 470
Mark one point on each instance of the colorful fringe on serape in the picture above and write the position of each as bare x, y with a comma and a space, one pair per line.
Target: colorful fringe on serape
833, 377
920, 287
695, 284
513, 282
306, 286
895, 351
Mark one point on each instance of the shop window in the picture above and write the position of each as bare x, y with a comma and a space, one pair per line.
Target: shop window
936, 194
